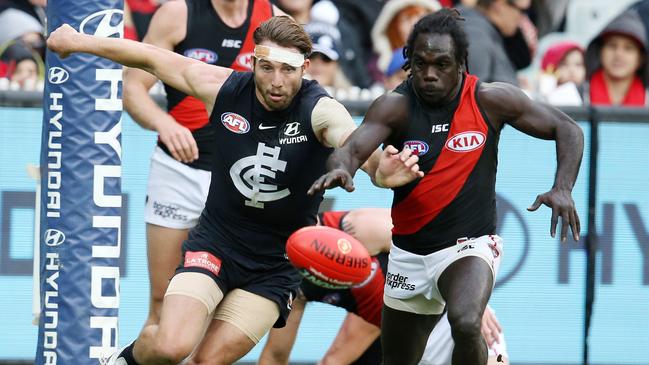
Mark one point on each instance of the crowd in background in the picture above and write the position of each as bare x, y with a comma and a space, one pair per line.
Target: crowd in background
358, 45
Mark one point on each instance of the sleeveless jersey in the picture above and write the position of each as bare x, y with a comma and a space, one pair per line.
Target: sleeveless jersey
265, 163
457, 150
210, 40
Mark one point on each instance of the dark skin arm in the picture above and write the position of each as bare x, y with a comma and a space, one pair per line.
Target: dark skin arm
505, 103
385, 115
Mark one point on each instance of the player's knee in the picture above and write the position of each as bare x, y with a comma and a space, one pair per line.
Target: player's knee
171, 350
274, 357
465, 325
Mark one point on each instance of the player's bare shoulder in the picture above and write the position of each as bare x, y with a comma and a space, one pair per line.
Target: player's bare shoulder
501, 101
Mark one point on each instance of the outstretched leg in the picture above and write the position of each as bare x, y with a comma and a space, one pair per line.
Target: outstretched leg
466, 286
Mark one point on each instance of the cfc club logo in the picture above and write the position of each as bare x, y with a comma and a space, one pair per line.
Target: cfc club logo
57, 75
344, 246
53, 237
466, 141
105, 23
235, 123
201, 54
417, 147
254, 176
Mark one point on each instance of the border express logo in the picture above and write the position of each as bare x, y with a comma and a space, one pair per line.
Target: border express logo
235, 123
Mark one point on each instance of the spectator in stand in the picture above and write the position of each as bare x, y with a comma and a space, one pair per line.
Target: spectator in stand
324, 61
549, 15
22, 66
395, 74
392, 27
357, 57
16, 24
454, 3
300, 10
642, 7
563, 74
616, 63
487, 26
33, 8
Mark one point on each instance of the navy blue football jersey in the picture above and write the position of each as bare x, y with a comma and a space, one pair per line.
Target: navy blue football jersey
266, 161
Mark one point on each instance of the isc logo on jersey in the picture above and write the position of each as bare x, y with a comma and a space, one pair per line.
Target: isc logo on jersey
417, 147
235, 123
466, 141
201, 54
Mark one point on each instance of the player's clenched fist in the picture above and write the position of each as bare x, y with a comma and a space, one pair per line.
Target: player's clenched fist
62, 40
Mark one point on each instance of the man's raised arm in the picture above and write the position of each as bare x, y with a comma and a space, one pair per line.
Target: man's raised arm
187, 75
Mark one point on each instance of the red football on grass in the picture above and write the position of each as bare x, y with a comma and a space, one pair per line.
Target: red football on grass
328, 257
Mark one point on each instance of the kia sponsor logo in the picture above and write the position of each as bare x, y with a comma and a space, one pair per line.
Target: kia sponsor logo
466, 141
202, 54
245, 60
104, 23
57, 75
235, 123
417, 147
53, 237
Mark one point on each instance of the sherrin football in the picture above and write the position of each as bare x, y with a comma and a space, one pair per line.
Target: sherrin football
328, 257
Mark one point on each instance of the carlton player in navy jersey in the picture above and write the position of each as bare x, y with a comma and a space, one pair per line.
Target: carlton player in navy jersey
273, 132
446, 252
217, 32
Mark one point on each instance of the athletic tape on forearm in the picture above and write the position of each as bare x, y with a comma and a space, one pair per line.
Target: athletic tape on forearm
80, 192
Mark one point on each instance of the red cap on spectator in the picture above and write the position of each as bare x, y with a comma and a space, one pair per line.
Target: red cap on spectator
555, 54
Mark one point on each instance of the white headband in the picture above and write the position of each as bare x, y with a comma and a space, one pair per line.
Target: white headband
279, 55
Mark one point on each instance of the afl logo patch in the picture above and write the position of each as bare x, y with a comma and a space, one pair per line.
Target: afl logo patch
235, 123
54, 237
201, 54
417, 147
466, 141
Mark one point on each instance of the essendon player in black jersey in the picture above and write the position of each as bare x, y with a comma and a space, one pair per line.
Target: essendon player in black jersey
446, 252
217, 32
357, 341
274, 131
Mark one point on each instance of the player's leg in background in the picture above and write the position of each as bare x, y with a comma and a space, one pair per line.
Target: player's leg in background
466, 286
353, 343
404, 335
164, 254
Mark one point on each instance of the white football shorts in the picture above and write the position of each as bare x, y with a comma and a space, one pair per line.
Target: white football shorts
411, 280
176, 193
